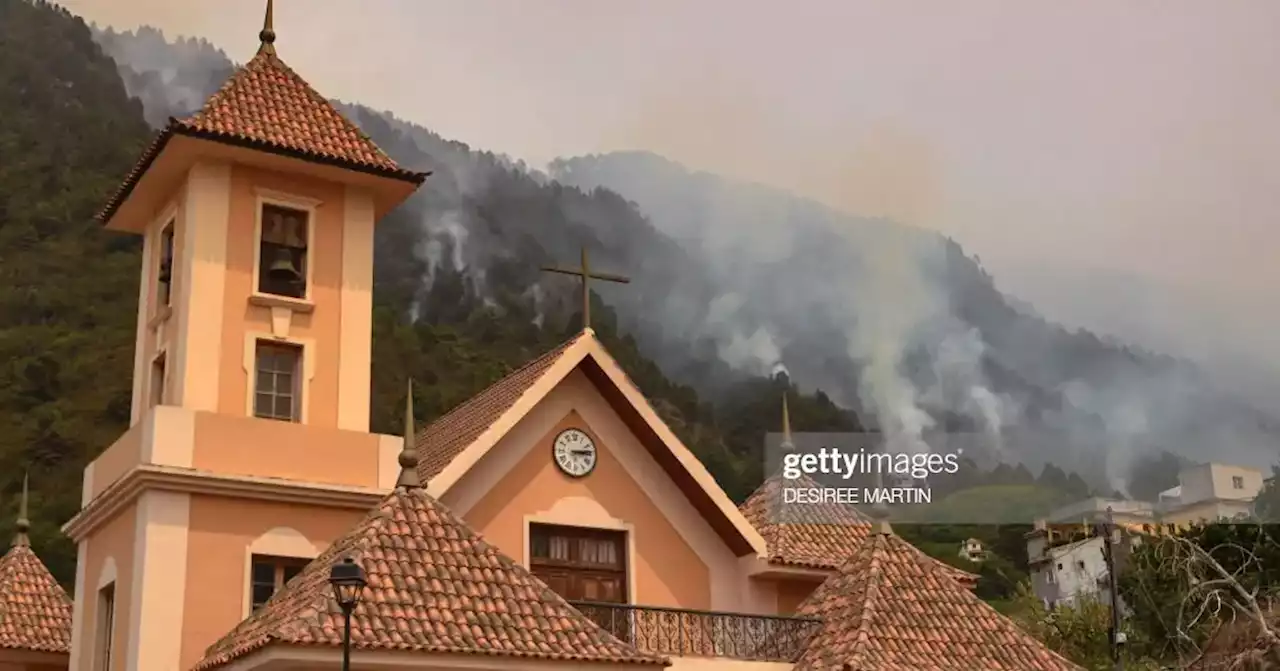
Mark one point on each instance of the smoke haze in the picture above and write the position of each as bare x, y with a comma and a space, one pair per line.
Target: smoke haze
1051, 167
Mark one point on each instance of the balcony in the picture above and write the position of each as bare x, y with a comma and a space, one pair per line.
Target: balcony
696, 633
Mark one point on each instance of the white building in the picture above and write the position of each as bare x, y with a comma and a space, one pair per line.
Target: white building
1209, 492
972, 550
1061, 573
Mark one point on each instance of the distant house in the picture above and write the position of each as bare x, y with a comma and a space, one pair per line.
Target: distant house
1209, 492
973, 550
1062, 573
1074, 565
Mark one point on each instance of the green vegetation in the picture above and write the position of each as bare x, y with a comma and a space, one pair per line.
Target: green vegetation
68, 133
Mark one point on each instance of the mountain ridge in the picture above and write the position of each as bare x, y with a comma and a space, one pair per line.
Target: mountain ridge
910, 335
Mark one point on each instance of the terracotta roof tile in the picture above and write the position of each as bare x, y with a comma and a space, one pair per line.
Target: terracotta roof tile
268, 102
434, 586
448, 436
266, 105
35, 613
891, 609
820, 535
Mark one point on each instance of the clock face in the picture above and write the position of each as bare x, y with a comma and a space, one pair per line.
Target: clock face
574, 452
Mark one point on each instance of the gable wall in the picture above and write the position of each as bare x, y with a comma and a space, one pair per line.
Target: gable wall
679, 561
791, 593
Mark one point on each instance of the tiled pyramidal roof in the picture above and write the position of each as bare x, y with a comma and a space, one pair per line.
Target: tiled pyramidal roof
266, 101
35, 613
814, 535
265, 105
890, 608
448, 436
434, 586
818, 535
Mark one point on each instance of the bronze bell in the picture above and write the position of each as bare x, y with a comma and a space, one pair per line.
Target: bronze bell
282, 268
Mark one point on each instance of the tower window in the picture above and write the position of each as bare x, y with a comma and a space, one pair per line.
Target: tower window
269, 575
106, 626
1237, 482
276, 384
164, 274
158, 380
282, 252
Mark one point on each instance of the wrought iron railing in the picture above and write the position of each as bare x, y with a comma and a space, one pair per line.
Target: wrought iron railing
697, 633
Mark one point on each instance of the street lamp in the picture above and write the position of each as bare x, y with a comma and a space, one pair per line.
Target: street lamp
347, 579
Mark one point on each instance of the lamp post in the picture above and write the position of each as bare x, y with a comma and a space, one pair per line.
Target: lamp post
348, 580
1111, 537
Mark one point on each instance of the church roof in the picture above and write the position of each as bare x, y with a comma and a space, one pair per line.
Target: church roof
819, 535
434, 585
465, 432
267, 106
35, 613
813, 535
448, 436
889, 608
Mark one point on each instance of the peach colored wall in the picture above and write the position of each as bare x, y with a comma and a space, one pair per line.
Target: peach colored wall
156, 327
13, 666
220, 533
791, 593
251, 446
118, 459
667, 571
114, 540
321, 325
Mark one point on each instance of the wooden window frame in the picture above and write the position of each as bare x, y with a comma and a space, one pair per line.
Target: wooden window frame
269, 347
106, 630
165, 270
574, 574
283, 570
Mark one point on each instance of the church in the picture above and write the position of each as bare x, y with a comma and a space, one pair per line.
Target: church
248, 519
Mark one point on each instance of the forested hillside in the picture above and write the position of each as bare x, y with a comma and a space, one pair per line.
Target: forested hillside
68, 132
735, 282
460, 300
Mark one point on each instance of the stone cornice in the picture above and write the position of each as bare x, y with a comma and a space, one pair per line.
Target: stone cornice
167, 478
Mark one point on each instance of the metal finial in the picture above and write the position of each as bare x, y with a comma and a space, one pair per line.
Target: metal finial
24, 524
786, 425
268, 34
409, 453
880, 509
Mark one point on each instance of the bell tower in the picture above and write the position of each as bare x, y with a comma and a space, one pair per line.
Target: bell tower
257, 217
249, 448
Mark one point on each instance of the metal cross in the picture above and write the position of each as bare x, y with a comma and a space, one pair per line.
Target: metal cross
584, 273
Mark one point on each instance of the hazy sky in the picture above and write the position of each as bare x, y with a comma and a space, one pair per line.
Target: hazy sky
1059, 141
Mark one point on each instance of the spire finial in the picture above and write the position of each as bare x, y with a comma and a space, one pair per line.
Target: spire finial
786, 425
24, 524
880, 509
268, 34
409, 453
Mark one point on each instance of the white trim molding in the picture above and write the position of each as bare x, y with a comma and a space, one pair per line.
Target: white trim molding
284, 542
